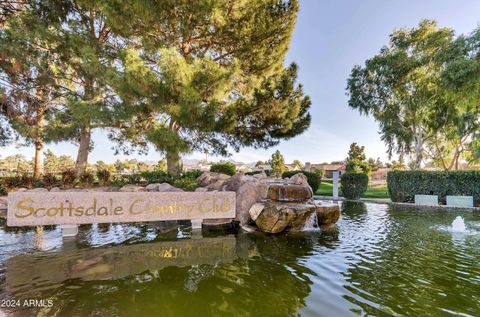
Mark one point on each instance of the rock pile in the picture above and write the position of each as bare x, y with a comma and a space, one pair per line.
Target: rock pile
273, 205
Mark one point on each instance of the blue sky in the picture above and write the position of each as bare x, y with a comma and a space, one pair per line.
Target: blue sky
330, 37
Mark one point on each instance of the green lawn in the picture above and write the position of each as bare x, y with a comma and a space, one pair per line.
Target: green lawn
326, 189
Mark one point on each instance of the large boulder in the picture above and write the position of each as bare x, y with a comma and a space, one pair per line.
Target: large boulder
327, 214
218, 185
256, 210
299, 179
247, 195
277, 217
209, 178
234, 183
289, 192
162, 187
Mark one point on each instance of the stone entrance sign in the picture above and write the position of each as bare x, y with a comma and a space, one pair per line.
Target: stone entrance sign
34, 209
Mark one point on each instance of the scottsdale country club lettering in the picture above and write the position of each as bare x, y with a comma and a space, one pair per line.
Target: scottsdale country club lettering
26, 208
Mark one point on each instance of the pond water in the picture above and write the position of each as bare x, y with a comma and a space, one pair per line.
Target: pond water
380, 261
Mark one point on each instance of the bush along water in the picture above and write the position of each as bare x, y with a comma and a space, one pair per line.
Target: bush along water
354, 185
404, 185
313, 179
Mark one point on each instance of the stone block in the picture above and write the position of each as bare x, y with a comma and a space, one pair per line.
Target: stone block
426, 200
460, 201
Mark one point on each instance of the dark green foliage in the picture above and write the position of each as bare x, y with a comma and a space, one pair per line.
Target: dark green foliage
228, 168
356, 160
313, 178
68, 178
86, 179
38, 183
192, 174
404, 185
104, 176
354, 185
19, 181
49, 180
155, 177
119, 180
187, 183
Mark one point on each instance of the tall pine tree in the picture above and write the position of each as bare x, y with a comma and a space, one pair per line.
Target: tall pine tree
210, 74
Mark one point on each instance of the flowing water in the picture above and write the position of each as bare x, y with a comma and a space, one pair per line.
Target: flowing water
379, 262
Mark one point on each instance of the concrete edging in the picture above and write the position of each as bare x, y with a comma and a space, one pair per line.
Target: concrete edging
388, 202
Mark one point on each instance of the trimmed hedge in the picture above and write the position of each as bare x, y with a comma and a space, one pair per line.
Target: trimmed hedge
354, 185
313, 179
404, 185
228, 168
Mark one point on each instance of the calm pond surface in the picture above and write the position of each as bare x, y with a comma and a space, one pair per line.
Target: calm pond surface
379, 262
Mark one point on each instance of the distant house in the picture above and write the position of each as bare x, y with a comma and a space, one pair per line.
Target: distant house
263, 167
244, 168
328, 169
200, 166
291, 167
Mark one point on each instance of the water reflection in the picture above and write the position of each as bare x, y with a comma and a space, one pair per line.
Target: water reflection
227, 274
380, 261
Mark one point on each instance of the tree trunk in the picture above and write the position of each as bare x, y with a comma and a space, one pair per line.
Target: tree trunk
173, 163
39, 143
173, 157
83, 149
418, 143
37, 163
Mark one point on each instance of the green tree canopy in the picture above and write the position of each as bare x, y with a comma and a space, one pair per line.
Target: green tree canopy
210, 75
277, 163
356, 160
400, 87
297, 164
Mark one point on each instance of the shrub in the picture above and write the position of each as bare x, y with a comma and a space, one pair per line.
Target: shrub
186, 183
38, 183
68, 178
192, 174
49, 180
19, 181
228, 168
122, 180
320, 172
404, 185
86, 179
151, 177
104, 176
313, 178
119, 180
354, 185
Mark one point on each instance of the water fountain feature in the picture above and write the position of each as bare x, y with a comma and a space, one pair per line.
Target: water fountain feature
290, 206
458, 225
